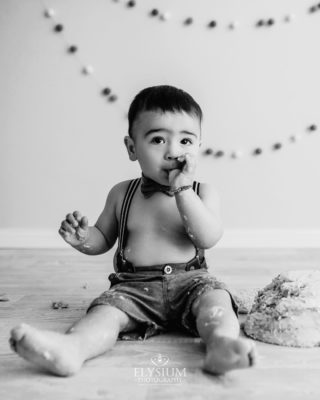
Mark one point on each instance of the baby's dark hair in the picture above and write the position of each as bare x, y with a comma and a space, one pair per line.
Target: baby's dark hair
164, 98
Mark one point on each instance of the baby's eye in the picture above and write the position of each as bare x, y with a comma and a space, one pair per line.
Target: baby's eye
186, 141
157, 140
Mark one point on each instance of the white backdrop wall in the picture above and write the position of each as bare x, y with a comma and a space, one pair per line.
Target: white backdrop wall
61, 143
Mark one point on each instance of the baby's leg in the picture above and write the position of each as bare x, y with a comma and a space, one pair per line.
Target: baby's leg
64, 354
219, 328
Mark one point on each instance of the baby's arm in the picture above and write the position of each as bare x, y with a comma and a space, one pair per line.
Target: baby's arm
200, 215
96, 239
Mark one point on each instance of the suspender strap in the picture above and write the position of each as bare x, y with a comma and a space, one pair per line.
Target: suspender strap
196, 187
125, 210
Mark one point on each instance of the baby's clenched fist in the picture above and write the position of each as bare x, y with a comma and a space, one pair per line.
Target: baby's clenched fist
74, 229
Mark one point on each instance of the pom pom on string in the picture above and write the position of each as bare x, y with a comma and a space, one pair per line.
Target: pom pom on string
72, 49
289, 18
257, 151
208, 152
49, 13
58, 28
219, 154
106, 91
165, 16
113, 98
313, 9
237, 154
312, 128
188, 21
277, 146
212, 24
131, 4
154, 12
233, 25
260, 23
87, 70
295, 138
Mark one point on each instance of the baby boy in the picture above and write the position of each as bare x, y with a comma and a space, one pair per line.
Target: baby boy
163, 222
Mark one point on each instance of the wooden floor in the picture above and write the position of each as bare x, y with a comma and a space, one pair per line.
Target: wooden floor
32, 279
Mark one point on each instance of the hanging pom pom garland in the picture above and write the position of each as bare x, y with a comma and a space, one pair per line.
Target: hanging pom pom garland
107, 93
72, 49
257, 151
268, 22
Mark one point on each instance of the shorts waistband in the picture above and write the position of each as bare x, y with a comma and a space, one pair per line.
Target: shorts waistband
165, 269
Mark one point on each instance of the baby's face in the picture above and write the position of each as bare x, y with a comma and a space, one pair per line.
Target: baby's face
159, 140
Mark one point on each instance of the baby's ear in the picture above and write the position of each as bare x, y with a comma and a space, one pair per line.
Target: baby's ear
129, 143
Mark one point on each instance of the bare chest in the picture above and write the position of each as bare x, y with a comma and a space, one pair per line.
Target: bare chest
157, 215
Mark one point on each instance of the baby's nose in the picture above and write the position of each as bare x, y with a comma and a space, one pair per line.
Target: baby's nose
173, 152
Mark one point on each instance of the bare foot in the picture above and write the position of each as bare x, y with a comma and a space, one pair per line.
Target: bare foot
53, 351
224, 354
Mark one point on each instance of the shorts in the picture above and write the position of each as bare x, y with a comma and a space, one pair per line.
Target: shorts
159, 302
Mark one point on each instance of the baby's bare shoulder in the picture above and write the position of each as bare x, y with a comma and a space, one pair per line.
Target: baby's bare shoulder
110, 215
120, 188
117, 193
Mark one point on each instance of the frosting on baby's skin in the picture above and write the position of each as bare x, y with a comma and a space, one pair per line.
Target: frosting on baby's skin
215, 315
47, 355
190, 233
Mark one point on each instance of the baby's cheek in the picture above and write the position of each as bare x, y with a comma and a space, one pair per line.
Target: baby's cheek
191, 163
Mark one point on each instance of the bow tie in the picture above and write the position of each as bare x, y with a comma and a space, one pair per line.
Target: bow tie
149, 187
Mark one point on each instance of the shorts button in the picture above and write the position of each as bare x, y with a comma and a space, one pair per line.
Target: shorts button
167, 269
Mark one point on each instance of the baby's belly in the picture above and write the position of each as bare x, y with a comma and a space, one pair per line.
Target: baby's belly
154, 250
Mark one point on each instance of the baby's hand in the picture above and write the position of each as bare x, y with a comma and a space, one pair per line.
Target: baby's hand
74, 229
184, 175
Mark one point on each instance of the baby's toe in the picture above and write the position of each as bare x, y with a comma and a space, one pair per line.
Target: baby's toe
249, 354
13, 344
18, 332
252, 356
245, 349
